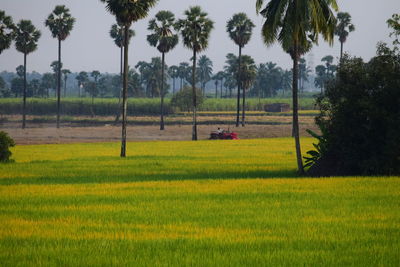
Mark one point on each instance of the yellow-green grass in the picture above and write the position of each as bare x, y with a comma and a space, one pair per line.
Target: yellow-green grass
206, 203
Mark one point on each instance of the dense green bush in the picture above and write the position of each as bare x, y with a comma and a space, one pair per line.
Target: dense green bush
5, 143
360, 119
183, 100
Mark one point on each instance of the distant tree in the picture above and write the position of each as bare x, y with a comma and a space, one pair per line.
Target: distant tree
343, 28
165, 39
239, 28
17, 86
218, 78
205, 71
117, 34
295, 31
321, 77
126, 13
65, 73
82, 79
304, 72
20, 70
286, 81
60, 23
4, 91
173, 72
195, 30
47, 82
26, 38
5, 143
183, 72
268, 80
33, 88
7, 28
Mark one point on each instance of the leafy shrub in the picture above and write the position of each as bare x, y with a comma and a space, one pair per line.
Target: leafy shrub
5, 143
183, 100
360, 119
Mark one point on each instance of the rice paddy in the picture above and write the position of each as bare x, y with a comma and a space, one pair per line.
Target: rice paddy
206, 203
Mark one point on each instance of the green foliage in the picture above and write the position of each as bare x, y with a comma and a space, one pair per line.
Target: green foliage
360, 118
5, 143
7, 28
183, 100
60, 22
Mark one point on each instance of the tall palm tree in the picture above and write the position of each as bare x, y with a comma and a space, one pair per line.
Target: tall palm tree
127, 12
65, 73
343, 28
295, 24
117, 34
239, 28
26, 38
205, 68
7, 28
165, 39
60, 23
195, 30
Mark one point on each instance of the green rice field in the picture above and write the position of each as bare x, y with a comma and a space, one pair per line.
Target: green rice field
205, 203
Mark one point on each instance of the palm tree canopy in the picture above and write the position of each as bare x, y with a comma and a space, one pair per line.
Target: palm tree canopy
240, 28
54, 66
162, 35
297, 22
60, 22
129, 11
248, 69
173, 71
7, 28
65, 72
26, 37
344, 26
195, 29
117, 34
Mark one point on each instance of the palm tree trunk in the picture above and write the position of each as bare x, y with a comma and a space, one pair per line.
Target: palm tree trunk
238, 85
243, 106
162, 93
194, 130
173, 86
120, 93
220, 89
24, 96
59, 84
125, 93
216, 89
341, 51
295, 110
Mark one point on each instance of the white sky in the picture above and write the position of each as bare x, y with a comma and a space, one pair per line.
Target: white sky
89, 46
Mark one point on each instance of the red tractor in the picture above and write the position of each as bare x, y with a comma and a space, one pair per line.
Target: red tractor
223, 135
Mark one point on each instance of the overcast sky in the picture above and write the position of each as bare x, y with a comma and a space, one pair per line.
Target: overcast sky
89, 46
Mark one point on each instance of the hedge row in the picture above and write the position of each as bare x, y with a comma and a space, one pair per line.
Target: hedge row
141, 106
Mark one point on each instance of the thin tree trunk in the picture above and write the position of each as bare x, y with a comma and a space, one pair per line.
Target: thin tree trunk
120, 92
243, 106
173, 86
216, 90
238, 85
162, 93
220, 89
194, 130
59, 84
24, 96
295, 110
125, 93
341, 51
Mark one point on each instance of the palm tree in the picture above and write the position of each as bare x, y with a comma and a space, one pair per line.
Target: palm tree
239, 28
60, 23
93, 92
117, 34
54, 66
195, 30
127, 12
205, 71
173, 72
82, 79
218, 77
26, 38
7, 28
65, 73
165, 40
183, 72
295, 24
343, 28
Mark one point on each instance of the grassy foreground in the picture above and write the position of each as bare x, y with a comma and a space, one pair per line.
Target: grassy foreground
220, 203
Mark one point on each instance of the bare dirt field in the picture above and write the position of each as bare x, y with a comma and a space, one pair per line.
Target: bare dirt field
47, 133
